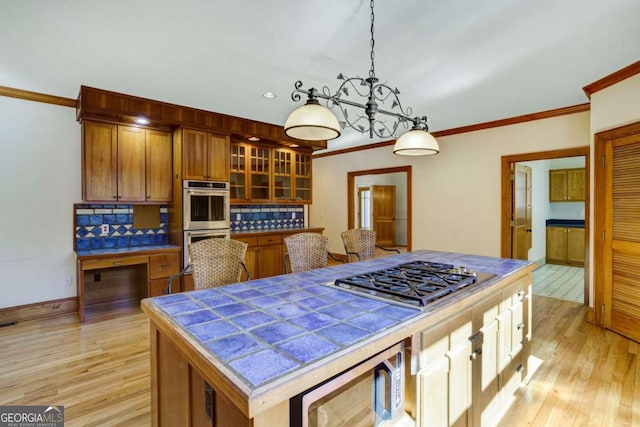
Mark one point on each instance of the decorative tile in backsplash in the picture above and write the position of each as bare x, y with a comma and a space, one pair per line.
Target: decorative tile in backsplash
120, 232
266, 217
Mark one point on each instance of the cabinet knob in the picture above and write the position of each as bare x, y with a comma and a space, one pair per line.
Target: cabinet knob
117, 263
520, 325
164, 266
475, 354
115, 197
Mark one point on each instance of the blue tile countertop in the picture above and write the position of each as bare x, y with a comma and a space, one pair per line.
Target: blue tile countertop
267, 330
570, 223
131, 250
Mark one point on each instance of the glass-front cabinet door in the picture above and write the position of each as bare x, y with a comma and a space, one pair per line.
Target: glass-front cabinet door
259, 174
302, 175
238, 180
282, 168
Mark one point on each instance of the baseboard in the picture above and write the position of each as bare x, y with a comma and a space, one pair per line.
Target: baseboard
38, 310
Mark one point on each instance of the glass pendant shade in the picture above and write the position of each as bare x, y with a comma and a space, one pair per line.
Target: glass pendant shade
312, 122
416, 142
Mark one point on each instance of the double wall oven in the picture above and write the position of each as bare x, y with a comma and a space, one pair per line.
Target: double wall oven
206, 211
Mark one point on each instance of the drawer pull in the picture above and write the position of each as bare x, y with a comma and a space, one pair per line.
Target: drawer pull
164, 266
521, 325
117, 263
520, 294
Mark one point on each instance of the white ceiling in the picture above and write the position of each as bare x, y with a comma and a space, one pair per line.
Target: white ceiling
460, 62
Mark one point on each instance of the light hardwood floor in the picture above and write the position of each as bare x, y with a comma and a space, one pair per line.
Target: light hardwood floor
100, 370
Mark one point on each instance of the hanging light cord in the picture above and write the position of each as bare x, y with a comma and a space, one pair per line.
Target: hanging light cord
372, 71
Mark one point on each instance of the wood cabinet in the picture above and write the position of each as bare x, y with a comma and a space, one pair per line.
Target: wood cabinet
264, 255
205, 156
471, 364
250, 180
109, 280
261, 174
444, 380
162, 266
567, 185
565, 245
292, 176
125, 164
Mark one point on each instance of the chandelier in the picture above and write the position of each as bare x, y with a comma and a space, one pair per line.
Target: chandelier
315, 122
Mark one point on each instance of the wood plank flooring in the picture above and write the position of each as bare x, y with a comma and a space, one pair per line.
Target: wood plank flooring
100, 370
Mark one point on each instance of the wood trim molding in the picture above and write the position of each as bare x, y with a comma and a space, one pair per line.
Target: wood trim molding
580, 108
37, 97
505, 204
38, 310
351, 189
613, 78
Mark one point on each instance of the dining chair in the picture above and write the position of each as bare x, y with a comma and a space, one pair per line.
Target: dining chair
307, 251
360, 244
215, 262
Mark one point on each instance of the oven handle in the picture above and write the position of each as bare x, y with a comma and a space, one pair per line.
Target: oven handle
383, 386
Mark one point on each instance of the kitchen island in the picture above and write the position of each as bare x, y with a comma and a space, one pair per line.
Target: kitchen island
236, 355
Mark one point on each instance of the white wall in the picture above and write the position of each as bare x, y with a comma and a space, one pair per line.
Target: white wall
456, 194
39, 182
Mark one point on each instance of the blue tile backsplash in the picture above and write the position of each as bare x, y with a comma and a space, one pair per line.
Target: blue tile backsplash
121, 234
266, 217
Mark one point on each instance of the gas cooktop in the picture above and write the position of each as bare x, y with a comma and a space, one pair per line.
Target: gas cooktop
416, 283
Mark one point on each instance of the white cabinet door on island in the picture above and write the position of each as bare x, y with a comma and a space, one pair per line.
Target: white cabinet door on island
254, 347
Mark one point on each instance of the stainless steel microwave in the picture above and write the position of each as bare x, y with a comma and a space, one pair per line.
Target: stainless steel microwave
206, 205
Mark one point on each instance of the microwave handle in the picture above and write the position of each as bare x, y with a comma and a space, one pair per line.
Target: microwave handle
383, 388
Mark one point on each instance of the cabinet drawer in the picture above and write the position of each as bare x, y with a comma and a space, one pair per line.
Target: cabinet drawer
159, 287
270, 240
94, 264
251, 241
163, 265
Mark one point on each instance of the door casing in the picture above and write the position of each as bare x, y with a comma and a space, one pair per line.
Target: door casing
351, 179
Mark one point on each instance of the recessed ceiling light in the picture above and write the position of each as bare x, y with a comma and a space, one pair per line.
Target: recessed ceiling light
141, 120
269, 95
253, 138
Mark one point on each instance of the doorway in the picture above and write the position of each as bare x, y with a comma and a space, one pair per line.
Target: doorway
403, 186
507, 204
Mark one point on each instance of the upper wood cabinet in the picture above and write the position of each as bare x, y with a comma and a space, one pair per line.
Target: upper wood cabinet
261, 174
567, 185
125, 164
292, 176
205, 156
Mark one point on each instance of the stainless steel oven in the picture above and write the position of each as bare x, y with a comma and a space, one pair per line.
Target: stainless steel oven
206, 205
191, 236
369, 394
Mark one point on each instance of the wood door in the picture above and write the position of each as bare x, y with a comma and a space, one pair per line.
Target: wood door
556, 245
521, 232
270, 260
576, 185
218, 157
622, 236
575, 246
557, 185
99, 151
159, 163
383, 200
131, 164
194, 154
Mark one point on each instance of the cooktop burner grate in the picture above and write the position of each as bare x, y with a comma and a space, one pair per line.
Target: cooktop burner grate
416, 283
